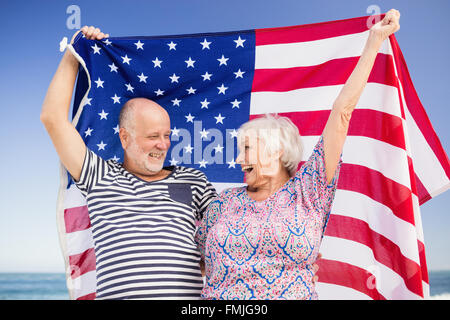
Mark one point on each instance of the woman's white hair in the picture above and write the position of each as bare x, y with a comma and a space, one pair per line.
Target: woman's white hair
278, 134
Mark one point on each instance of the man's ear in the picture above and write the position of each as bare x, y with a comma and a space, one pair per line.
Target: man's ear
124, 138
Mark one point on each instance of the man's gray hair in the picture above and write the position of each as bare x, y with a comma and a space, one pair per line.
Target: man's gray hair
126, 116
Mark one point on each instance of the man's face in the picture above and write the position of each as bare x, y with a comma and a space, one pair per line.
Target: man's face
149, 142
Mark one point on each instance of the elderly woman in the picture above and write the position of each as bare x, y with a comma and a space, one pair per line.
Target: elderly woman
260, 241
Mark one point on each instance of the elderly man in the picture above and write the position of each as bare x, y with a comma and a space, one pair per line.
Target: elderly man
143, 215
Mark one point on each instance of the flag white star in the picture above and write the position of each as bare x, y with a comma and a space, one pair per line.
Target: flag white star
235, 103
86, 101
191, 90
116, 129
176, 102
239, 42
205, 104
222, 89
99, 82
172, 45
190, 63
142, 77
116, 98
188, 148
101, 146
231, 164
174, 78
126, 59
219, 118
218, 148
115, 158
88, 132
233, 133
239, 74
129, 87
157, 63
139, 45
103, 115
206, 76
173, 162
63, 44
113, 67
204, 134
205, 44
223, 60
159, 92
203, 163
175, 131
189, 118
107, 42
96, 49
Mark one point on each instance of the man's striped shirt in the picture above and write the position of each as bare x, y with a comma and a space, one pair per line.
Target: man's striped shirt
144, 231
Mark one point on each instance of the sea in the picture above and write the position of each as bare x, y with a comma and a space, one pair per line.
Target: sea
52, 286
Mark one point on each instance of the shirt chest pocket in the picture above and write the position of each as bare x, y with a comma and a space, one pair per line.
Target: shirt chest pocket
180, 193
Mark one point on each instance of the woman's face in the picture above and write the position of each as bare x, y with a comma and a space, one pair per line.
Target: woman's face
257, 164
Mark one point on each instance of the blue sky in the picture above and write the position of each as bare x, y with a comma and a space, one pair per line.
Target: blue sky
31, 31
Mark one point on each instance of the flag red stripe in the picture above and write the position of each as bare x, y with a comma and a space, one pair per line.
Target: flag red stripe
82, 263
382, 126
286, 79
416, 109
90, 296
422, 192
423, 261
347, 275
311, 32
375, 185
416, 185
76, 219
384, 250
365, 122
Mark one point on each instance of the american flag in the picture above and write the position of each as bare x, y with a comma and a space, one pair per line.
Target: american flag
211, 83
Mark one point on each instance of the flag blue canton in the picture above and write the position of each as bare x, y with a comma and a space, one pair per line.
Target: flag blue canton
204, 82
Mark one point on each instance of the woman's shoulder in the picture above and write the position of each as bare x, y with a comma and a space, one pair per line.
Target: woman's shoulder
232, 192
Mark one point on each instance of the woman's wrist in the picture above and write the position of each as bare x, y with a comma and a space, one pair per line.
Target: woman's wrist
69, 59
374, 41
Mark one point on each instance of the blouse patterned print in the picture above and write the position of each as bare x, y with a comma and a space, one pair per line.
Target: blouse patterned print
265, 249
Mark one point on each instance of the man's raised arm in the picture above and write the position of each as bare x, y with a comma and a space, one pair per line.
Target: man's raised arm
55, 110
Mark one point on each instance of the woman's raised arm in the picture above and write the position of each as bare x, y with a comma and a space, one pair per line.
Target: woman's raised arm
337, 125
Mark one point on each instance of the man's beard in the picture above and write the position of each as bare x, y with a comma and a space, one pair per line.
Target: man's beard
142, 161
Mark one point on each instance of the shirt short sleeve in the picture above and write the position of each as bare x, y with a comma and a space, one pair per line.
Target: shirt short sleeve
93, 170
312, 181
210, 217
203, 197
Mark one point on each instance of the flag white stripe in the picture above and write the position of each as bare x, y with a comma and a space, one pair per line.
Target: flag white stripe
417, 219
407, 126
389, 283
382, 157
73, 198
379, 218
79, 241
426, 165
83, 285
378, 97
328, 291
309, 53
219, 186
